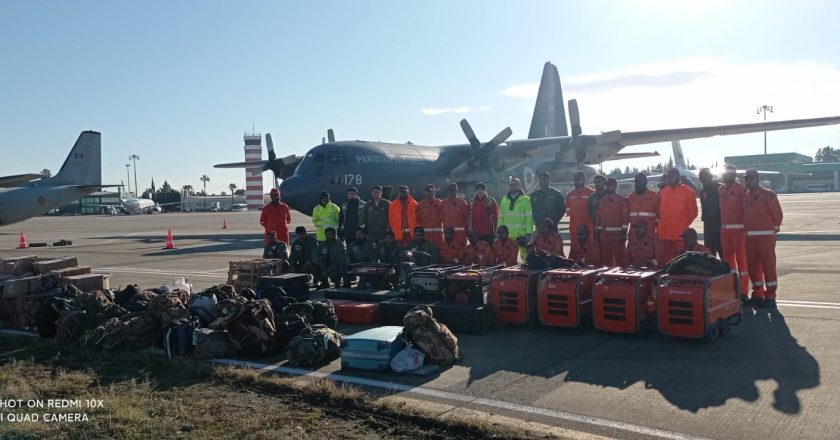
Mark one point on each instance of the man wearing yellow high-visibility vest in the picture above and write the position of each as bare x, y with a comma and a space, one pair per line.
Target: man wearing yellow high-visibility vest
325, 215
515, 212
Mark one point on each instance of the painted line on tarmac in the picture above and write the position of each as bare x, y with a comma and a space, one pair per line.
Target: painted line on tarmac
787, 301
141, 271
491, 403
807, 306
831, 231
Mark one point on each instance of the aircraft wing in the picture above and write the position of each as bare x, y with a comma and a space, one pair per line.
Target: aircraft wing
283, 167
619, 156
654, 136
7, 181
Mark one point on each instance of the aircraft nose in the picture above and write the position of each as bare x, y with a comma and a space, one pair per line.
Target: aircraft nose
293, 192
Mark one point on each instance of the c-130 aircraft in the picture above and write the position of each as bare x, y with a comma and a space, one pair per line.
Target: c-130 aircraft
336, 165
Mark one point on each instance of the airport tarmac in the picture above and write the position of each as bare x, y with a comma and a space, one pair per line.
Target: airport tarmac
776, 376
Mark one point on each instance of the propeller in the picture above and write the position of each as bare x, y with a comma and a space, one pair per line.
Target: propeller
481, 152
270, 145
331, 136
581, 142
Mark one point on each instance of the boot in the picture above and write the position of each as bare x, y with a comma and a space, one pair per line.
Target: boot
768, 304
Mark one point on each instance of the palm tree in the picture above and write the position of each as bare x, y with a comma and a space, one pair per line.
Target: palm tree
232, 187
205, 179
46, 173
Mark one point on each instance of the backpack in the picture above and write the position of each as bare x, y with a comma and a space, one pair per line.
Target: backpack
92, 302
131, 332
205, 307
252, 329
44, 314
177, 341
313, 312
72, 324
276, 296
543, 260
139, 301
430, 336
314, 345
124, 296
222, 291
208, 344
696, 263
167, 308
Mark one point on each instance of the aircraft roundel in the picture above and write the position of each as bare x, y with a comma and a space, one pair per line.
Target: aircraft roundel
528, 178
42, 200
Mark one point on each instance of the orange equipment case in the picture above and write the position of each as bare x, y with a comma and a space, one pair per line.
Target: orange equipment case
692, 306
565, 296
357, 312
514, 294
622, 300
471, 285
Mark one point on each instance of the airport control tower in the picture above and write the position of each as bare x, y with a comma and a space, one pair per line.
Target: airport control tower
253, 176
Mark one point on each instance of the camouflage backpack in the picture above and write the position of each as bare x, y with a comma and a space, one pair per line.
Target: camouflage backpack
132, 332
139, 301
315, 345
167, 308
431, 337
72, 323
252, 329
313, 312
222, 291
93, 302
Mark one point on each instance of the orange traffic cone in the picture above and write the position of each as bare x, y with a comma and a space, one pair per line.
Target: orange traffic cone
170, 242
23, 244
225, 224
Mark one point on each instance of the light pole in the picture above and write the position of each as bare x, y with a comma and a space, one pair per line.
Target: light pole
128, 179
763, 109
134, 158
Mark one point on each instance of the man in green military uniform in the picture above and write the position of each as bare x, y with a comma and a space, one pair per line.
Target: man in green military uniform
376, 218
423, 252
330, 258
361, 250
302, 249
547, 202
388, 250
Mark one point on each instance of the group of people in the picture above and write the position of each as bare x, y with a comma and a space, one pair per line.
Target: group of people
644, 229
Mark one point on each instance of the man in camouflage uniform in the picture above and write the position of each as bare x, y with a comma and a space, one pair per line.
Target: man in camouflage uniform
376, 215
361, 250
424, 253
330, 257
302, 249
388, 251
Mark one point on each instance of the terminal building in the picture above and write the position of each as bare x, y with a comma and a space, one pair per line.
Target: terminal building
797, 172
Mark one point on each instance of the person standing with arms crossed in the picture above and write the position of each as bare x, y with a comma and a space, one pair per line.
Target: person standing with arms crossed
275, 217
733, 240
762, 221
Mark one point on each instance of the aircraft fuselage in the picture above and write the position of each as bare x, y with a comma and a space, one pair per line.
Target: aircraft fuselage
20, 203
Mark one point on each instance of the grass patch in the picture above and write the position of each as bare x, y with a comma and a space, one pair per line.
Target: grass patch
147, 396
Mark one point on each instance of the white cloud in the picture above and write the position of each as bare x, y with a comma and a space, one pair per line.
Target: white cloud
706, 90
434, 111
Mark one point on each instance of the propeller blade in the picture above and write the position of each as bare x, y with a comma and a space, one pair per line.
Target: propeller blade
270, 146
468, 131
574, 117
501, 137
331, 136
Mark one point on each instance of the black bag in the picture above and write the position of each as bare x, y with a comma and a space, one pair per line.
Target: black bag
277, 297
178, 338
295, 285
696, 263
124, 296
542, 260
46, 315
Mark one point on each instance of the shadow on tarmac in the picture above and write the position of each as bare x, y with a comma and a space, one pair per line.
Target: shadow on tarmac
692, 375
217, 243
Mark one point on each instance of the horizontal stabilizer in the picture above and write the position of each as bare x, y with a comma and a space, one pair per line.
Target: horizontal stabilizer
619, 156
8, 181
254, 164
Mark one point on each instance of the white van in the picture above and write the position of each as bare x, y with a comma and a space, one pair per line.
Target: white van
238, 207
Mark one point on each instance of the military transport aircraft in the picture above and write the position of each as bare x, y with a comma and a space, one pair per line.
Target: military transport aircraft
23, 197
336, 165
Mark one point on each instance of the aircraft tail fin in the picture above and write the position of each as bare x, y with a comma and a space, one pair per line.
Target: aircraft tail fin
83, 166
679, 157
549, 118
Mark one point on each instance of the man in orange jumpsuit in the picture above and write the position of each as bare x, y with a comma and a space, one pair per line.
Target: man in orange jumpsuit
275, 217
478, 251
643, 249
762, 221
450, 250
611, 225
690, 243
577, 207
402, 215
643, 205
505, 250
733, 241
548, 239
456, 213
430, 216
588, 252
677, 209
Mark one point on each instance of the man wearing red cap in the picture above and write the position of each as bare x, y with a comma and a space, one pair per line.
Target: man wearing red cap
275, 217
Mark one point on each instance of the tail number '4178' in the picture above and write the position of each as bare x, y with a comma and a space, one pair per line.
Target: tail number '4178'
346, 179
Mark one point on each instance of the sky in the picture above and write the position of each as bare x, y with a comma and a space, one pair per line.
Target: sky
179, 83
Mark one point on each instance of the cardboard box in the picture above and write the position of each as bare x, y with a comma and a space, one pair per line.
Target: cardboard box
89, 282
7, 265
21, 287
13, 310
44, 266
69, 271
